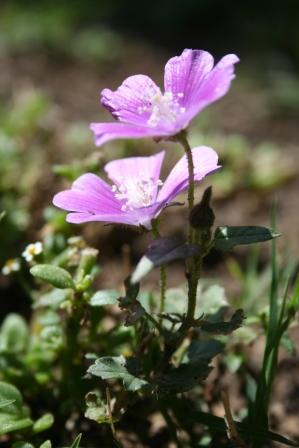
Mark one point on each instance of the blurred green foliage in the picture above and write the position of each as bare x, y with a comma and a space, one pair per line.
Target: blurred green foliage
273, 29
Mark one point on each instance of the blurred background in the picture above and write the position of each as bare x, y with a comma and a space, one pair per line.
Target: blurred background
55, 57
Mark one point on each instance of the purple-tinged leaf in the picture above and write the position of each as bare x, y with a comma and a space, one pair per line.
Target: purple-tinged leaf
163, 251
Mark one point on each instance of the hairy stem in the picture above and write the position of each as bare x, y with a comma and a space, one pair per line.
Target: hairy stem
163, 277
182, 138
193, 264
162, 287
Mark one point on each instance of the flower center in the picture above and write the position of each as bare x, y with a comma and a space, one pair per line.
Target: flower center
163, 108
136, 192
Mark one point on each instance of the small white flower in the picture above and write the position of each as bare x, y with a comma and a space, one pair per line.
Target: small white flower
11, 265
32, 250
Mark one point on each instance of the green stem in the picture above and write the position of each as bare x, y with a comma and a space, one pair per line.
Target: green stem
154, 322
182, 138
72, 366
157, 235
193, 264
162, 287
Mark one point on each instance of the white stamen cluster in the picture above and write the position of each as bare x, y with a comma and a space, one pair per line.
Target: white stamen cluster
11, 265
165, 108
136, 192
32, 250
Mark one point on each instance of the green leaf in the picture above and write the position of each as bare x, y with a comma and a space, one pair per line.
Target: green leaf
4, 403
8, 392
183, 378
175, 300
11, 423
46, 444
204, 350
43, 423
210, 300
162, 251
13, 334
233, 361
227, 237
109, 367
2, 214
58, 277
224, 327
96, 408
105, 297
13, 415
76, 442
53, 299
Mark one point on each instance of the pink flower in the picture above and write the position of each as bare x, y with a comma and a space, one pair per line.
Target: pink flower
137, 195
191, 82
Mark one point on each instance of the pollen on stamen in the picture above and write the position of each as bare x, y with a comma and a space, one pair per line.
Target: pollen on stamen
165, 109
136, 192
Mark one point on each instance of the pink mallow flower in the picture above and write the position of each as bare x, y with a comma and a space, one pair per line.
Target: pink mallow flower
137, 195
191, 82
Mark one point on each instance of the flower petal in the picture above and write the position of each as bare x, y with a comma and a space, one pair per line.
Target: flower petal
79, 218
130, 101
205, 162
214, 85
105, 132
91, 199
184, 73
144, 167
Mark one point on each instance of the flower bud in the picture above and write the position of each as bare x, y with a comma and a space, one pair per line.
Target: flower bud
202, 216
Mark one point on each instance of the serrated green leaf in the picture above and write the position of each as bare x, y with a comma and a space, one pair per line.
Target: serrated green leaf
97, 414
224, 327
227, 237
43, 423
58, 277
109, 367
183, 378
204, 350
105, 297
13, 334
96, 408
162, 251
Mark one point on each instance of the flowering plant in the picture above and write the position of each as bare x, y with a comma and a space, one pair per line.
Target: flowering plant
109, 355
